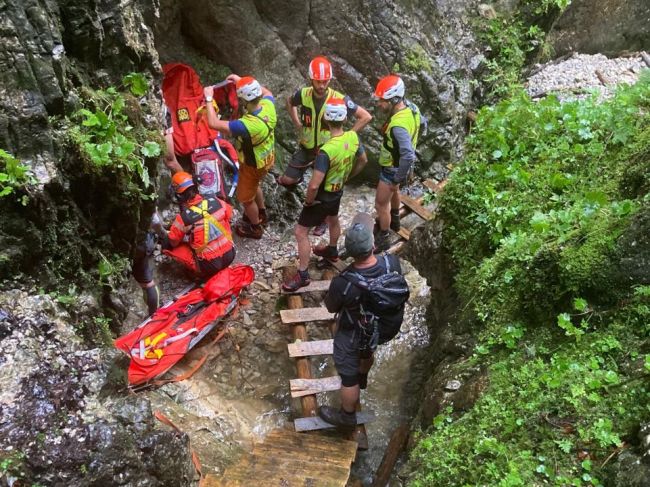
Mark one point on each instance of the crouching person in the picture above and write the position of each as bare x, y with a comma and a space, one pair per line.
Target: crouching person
369, 299
200, 237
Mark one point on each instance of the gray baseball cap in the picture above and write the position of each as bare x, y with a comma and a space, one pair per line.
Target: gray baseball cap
359, 239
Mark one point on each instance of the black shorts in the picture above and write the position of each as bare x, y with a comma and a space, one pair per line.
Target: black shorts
300, 161
208, 268
312, 216
346, 351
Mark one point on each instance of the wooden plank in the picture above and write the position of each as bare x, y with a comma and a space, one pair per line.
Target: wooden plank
436, 187
317, 423
307, 349
330, 457
305, 387
395, 446
305, 315
416, 207
314, 286
404, 233
308, 442
396, 248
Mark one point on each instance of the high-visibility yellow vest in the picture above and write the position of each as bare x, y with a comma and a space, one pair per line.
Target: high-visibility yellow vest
258, 149
341, 151
313, 132
408, 118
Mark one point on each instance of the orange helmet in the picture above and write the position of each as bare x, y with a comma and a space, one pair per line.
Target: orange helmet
181, 181
389, 87
248, 88
320, 69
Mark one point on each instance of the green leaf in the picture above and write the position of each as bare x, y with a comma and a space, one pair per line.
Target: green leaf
137, 83
150, 149
579, 304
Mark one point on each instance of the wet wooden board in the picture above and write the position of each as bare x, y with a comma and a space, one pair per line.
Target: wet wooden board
404, 233
433, 186
307, 349
304, 315
317, 423
394, 249
314, 286
289, 459
305, 387
416, 207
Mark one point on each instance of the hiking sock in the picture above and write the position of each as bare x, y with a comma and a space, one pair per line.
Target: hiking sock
363, 381
394, 220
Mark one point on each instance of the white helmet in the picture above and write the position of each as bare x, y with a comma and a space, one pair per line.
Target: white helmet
248, 88
335, 110
389, 87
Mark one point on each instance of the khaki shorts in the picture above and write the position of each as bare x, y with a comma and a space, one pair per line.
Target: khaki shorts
249, 180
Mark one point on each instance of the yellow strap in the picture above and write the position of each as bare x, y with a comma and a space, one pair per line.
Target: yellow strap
203, 211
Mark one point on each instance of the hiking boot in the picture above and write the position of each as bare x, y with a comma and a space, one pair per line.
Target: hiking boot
300, 279
327, 251
382, 241
320, 229
248, 230
262, 216
394, 220
338, 417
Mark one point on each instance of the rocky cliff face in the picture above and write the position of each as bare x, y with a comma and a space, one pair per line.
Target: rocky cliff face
429, 43
604, 26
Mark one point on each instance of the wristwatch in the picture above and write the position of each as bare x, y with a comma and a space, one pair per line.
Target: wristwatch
208, 99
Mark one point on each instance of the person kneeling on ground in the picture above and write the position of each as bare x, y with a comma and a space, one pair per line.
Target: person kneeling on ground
334, 164
361, 326
255, 142
200, 237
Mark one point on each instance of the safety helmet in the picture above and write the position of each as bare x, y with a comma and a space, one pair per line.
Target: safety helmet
181, 181
335, 110
389, 87
320, 69
248, 88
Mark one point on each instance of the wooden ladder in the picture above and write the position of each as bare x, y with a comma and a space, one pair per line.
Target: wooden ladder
306, 386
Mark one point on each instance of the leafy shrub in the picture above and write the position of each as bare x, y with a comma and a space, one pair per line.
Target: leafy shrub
14, 175
108, 134
534, 218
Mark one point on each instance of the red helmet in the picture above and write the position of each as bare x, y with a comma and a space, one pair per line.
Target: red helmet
320, 69
248, 88
389, 87
335, 110
181, 181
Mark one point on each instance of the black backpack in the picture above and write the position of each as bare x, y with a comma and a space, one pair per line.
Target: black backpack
380, 296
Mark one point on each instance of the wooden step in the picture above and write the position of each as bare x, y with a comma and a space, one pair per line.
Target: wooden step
308, 349
317, 423
404, 233
416, 207
330, 456
434, 186
305, 387
317, 444
314, 286
305, 315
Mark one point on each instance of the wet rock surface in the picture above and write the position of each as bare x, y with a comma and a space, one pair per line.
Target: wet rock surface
429, 43
56, 426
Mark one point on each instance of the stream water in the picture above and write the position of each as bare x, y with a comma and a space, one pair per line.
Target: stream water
242, 392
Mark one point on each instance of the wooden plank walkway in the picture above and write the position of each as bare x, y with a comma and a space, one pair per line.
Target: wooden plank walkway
305, 315
309, 349
289, 459
305, 387
314, 286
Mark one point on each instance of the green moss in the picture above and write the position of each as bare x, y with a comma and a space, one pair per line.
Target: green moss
416, 60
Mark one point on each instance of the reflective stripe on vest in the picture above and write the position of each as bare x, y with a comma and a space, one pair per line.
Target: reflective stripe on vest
341, 151
409, 119
313, 133
208, 220
261, 145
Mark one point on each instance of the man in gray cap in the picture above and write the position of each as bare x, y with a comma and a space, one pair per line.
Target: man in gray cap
353, 356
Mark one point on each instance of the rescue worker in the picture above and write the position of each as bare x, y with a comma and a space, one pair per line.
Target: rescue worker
397, 155
255, 143
353, 353
305, 108
340, 158
200, 237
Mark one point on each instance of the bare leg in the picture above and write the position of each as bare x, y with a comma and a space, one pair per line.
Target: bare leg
383, 203
304, 247
252, 211
395, 198
335, 229
349, 398
259, 199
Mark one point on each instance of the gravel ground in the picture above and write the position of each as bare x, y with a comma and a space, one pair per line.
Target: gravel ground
577, 75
